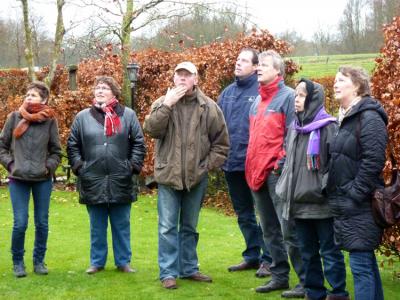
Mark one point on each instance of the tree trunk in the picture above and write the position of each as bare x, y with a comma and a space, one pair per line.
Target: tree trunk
58, 39
125, 51
28, 41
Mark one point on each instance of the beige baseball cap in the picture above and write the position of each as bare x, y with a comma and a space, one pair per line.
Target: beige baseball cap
188, 66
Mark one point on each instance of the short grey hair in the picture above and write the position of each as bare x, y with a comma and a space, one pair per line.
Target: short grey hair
277, 60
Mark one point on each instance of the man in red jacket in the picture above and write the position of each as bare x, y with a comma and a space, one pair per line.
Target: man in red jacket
235, 102
270, 116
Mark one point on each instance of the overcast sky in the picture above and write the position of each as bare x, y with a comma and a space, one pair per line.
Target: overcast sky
305, 16
277, 16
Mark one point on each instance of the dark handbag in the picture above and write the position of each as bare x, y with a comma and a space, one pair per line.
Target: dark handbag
386, 203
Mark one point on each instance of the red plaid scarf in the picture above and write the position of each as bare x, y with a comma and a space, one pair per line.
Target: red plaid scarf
112, 122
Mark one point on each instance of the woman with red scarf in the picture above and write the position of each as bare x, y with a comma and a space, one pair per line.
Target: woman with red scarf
106, 151
30, 150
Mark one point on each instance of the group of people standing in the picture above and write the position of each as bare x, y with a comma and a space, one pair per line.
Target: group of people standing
307, 175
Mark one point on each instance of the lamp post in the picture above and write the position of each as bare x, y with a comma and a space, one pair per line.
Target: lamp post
133, 74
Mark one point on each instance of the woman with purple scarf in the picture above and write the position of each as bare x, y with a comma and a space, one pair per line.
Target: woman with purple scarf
301, 188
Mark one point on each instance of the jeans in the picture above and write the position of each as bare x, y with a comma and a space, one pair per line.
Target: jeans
243, 204
20, 192
317, 241
178, 215
119, 215
279, 234
367, 281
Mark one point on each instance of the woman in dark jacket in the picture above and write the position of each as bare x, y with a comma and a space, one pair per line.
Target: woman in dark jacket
301, 188
30, 150
357, 159
106, 150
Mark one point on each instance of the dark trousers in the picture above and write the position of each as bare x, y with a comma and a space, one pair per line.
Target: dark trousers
275, 228
243, 204
316, 242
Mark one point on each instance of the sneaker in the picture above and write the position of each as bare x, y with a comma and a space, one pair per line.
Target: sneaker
40, 269
296, 292
19, 270
263, 270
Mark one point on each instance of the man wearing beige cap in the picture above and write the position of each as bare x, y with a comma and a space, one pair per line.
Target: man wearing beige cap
191, 139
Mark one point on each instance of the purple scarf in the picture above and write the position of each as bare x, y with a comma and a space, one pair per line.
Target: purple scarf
321, 119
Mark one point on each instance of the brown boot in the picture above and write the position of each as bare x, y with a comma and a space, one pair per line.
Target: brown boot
199, 277
244, 265
169, 283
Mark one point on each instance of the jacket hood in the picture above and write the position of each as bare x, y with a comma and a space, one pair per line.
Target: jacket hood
313, 103
369, 103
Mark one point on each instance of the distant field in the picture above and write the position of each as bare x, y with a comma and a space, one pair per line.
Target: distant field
320, 66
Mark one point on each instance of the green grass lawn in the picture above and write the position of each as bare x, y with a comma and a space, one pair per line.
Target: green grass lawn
327, 65
220, 245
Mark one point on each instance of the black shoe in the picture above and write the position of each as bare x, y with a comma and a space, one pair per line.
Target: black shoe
244, 265
19, 270
272, 286
263, 270
296, 292
40, 268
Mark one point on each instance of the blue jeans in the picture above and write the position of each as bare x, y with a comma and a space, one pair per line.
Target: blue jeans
317, 241
279, 234
243, 204
119, 215
367, 281
20, 192
178, 215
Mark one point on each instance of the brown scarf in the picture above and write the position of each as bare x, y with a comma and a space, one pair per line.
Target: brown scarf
32, 113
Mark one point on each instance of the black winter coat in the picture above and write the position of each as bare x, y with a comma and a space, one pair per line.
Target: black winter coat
357, 159
106, 165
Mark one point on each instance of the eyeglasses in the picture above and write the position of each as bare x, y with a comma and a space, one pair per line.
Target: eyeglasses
103, 88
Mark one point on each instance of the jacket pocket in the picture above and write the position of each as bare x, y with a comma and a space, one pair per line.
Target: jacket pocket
308, 188
91, 188
94, 167
120, 167
28, 169
281, 187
